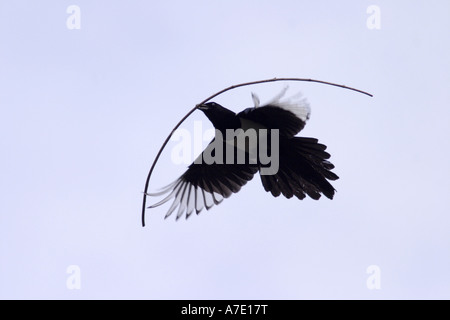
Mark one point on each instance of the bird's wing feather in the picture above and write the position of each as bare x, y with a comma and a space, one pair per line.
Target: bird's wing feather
289, 116
203, 186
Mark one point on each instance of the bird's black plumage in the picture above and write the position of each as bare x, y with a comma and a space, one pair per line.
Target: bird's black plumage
303, 167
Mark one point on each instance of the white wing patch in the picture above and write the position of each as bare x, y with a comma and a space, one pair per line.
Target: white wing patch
255, 100
297, 104
187, 198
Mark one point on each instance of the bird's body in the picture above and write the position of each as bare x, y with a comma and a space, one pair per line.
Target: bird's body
302, 167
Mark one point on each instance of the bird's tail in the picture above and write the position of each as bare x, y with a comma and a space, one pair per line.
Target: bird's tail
303, 169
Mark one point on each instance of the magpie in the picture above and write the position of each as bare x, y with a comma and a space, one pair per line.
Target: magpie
302, 169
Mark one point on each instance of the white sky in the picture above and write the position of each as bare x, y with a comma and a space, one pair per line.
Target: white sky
84, 112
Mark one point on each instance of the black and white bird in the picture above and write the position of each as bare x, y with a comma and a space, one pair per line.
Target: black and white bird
303, 168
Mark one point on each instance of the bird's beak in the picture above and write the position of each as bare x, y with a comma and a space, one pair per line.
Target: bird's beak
202, 107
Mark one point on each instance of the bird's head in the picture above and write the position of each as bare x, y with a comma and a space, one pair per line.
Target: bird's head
221, 117
209, 106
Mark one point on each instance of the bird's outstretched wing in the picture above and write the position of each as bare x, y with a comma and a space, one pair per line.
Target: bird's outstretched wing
289, 116
204, 185
304, 168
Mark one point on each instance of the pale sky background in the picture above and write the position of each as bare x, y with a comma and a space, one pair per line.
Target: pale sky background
84, 112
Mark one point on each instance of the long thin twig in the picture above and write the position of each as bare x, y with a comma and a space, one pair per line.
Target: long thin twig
144, 201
